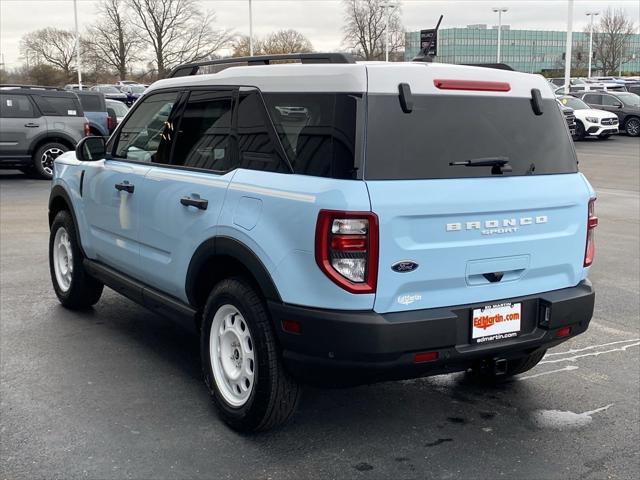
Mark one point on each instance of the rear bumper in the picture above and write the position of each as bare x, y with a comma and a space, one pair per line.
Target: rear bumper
364, 346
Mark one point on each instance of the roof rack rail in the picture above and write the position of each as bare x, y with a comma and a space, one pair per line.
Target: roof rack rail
192, 68
497, 66
29, 87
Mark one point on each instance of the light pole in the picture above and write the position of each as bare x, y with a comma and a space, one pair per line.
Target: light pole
591, 15
250, 29
78, 64
388, 10
500, 11
567, 55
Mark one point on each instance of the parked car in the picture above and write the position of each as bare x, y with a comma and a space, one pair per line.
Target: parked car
95, 110
37, 124
133, 92
625, 105
117, 110
75, 86
121, 83
569, 117
110, 92
590, 121
331, 251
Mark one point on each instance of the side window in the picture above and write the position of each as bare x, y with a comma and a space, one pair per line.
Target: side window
202, 140
610, 101
16, 106
317, 130
146, 134
255, 144
594, 99
64, 106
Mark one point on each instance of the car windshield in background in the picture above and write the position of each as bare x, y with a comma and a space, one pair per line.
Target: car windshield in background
119, 108
107, 89
575, 103
629, 99
443, 129
136, 89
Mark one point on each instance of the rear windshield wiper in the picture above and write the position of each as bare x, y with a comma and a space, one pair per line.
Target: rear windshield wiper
499, 164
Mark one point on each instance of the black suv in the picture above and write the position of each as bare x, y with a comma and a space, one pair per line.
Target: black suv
625, 105
37, 124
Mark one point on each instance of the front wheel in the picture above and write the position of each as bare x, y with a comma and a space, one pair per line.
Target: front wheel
632, 126
241, 361
74, 287
580, 133
44, 157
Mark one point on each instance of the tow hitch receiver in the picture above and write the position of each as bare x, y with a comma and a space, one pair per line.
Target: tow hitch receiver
499, 366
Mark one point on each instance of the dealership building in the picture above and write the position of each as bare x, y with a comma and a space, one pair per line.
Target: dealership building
524, 50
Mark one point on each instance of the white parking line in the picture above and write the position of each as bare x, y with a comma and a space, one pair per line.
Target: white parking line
568, 368
592, 354
591, 347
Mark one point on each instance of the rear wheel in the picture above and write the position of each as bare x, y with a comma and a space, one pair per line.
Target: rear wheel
241, 361
485, 373
74, 287
45, 155
632, 127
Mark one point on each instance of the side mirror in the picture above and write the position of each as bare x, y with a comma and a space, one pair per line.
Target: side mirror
617, 105
90, 149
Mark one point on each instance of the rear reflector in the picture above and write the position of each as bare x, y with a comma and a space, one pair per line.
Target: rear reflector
291, 326
563, 332
425, 357
475, 85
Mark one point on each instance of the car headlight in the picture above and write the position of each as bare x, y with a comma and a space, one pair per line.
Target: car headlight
591, 120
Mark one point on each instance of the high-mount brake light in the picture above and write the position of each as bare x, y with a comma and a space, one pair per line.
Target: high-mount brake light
474, 85
347, 249
592, 223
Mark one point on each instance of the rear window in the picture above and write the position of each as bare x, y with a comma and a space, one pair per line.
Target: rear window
455, 128
92, 102
317, 130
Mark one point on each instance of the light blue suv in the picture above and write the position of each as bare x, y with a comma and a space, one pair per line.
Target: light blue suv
336, 222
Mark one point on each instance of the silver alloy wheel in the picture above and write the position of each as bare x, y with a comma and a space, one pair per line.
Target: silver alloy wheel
232, 355
633, 127
62, 259
48, 156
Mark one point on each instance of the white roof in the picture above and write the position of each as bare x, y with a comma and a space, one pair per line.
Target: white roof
374, 77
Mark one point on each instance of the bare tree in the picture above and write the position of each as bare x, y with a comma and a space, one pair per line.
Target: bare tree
113, 40
287, 41
240, 46
50, 46
364, 31
611, 40
177, 31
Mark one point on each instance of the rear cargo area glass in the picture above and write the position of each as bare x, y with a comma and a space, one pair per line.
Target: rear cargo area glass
454, 128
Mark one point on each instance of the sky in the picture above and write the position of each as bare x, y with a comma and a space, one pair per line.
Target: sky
320, 20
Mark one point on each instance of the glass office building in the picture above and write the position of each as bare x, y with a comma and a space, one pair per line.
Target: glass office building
531, 51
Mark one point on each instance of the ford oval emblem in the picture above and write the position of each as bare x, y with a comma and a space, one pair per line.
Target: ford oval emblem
404, 266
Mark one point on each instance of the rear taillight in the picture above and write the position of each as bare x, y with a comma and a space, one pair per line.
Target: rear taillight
87, 130
347, 249
110, 124
592, 223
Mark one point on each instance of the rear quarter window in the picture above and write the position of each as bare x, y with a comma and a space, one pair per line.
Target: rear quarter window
443, 129
92, 103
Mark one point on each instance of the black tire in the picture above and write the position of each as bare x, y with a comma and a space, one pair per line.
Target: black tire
84, 290
483, 373
580, 133
43, 168
274, 395
632, 126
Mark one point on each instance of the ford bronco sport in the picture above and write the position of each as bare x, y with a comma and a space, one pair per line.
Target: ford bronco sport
331, 221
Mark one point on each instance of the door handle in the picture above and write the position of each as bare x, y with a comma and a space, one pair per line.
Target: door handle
32, 125
124, 187
200, 203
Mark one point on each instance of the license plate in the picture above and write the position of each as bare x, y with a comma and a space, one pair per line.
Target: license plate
496, 322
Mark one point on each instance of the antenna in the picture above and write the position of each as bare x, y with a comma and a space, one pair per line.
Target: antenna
424, 55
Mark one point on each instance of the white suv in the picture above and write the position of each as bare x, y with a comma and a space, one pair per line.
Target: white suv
590, 121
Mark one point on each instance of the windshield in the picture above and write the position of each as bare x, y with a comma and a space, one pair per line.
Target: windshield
443, 129
575, 103
119, 108
108, 89
629, 99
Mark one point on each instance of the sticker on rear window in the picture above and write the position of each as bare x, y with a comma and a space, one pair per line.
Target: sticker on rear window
71, 112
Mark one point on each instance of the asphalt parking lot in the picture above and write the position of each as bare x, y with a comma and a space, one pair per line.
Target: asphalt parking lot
117, 393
